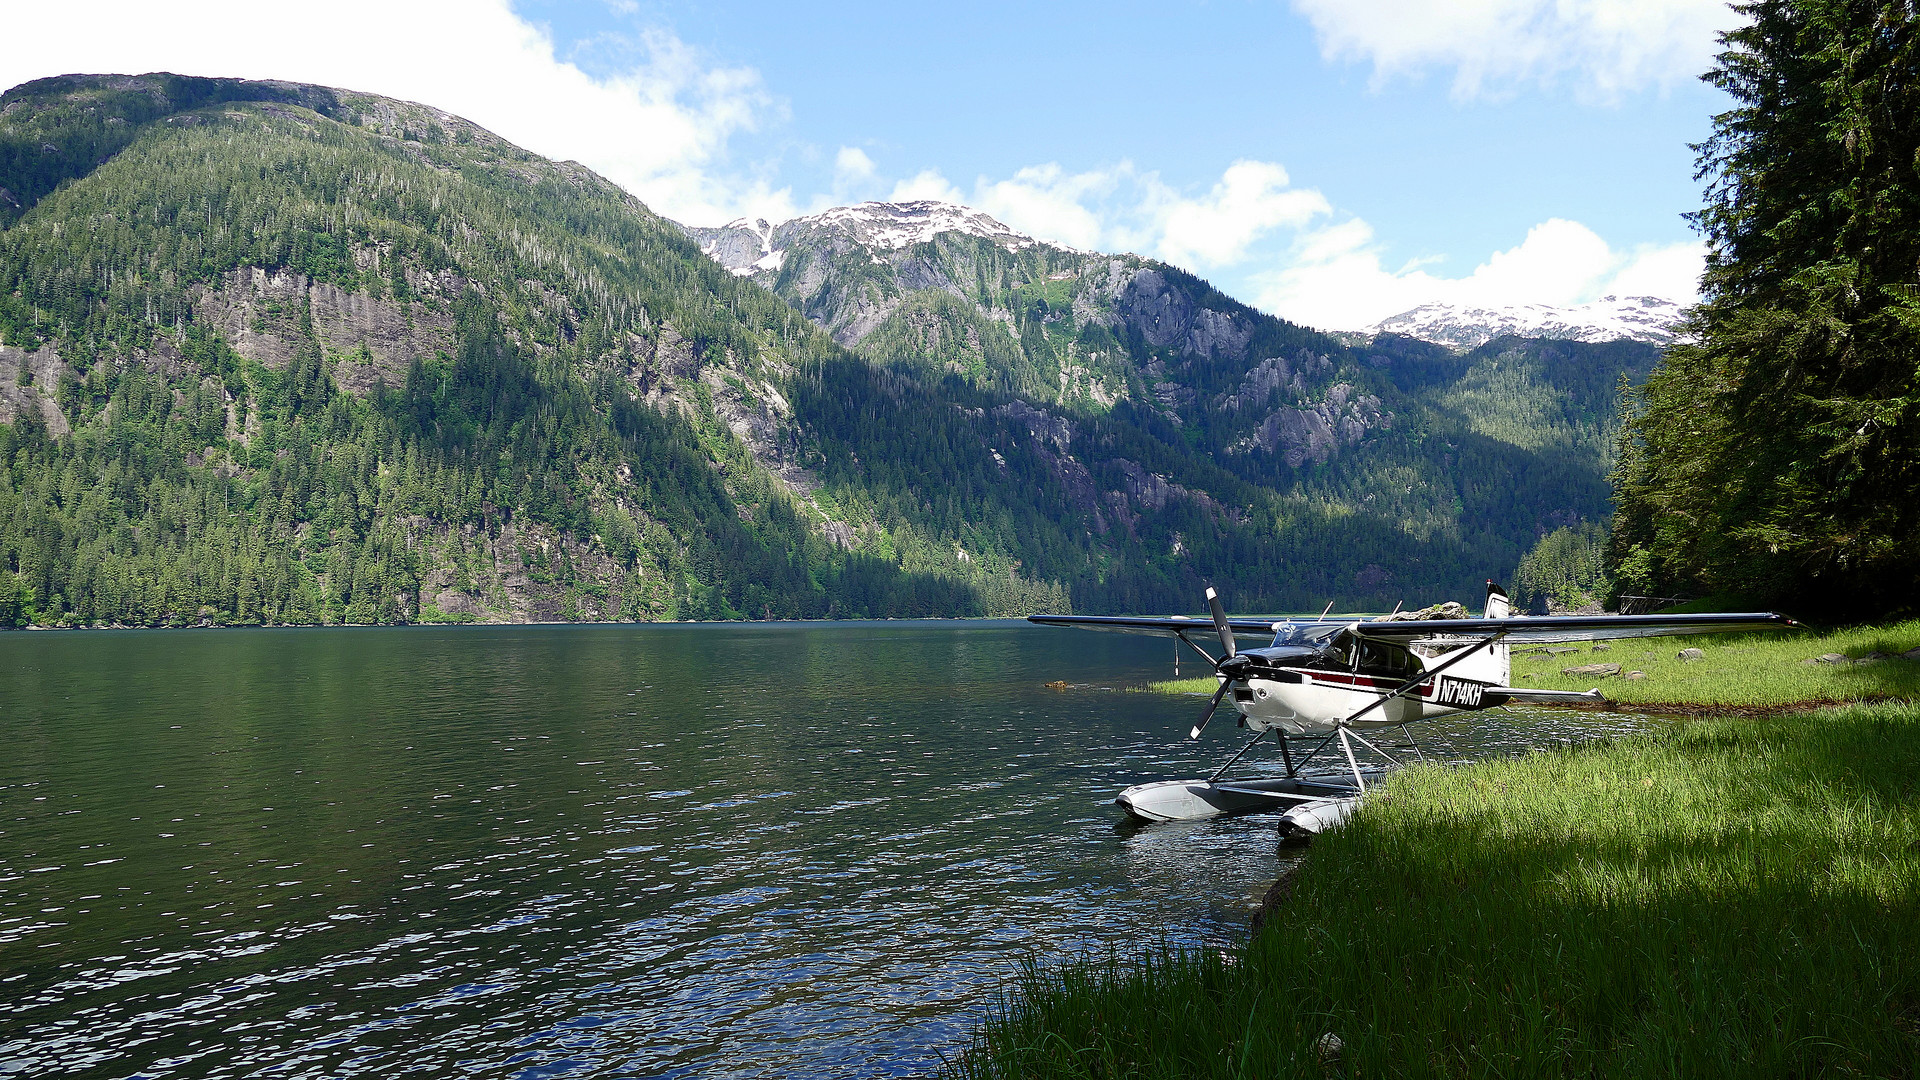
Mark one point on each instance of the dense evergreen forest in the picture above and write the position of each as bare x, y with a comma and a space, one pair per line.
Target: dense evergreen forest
273, 353
1775, 456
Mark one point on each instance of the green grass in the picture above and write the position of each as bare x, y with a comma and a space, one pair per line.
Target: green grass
1741, 671
1202, 684
1736, 897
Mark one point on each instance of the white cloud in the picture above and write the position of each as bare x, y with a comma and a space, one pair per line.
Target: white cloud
1602, 48
1051, 203
658, 124
852, 166
1251, 199
929, 184
1672, 271
1333, 278
855, 178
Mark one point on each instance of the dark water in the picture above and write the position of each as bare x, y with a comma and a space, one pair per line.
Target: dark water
543, 851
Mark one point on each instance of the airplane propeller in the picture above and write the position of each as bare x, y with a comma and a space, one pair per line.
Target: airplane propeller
1220, 621
1228, 665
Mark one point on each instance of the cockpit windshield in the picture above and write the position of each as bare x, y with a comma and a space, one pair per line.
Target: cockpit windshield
1317, 634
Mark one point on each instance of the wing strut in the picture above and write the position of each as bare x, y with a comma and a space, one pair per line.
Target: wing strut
1222, 770
1182, 635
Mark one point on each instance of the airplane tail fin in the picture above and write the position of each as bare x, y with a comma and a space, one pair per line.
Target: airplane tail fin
1499, 607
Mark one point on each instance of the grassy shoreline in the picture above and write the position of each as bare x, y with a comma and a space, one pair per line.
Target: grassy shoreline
1737, 896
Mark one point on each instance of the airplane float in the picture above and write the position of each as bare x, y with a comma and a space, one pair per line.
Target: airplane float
1333, 679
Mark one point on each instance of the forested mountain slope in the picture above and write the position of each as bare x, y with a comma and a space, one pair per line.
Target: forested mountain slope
279, 353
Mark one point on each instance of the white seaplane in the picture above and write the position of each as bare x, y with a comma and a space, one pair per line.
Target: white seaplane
1336, 678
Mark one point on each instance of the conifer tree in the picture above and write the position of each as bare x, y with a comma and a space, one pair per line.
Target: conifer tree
1775, 453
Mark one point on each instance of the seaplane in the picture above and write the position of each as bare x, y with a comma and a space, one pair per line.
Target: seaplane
1329, 682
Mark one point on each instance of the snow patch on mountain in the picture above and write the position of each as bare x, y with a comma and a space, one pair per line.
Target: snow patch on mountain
896, 225
1611, 318
754, 245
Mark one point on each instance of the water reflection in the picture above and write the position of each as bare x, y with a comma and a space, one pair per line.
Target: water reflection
712, 851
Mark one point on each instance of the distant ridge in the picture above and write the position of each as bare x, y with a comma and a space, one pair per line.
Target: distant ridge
1650, 319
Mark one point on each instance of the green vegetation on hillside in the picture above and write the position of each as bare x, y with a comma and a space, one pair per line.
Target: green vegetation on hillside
197, 485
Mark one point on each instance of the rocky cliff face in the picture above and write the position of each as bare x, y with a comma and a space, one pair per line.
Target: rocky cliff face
367, 339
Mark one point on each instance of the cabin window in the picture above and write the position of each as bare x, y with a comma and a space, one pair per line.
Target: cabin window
1336, 655
1391, 661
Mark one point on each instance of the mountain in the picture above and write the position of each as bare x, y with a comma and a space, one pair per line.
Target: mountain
1648, 319
276, 353
1428, 442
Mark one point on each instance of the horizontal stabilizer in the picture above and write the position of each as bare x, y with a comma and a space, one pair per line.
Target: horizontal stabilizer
1549, 697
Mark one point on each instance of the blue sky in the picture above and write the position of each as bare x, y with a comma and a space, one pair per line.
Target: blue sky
1335, 162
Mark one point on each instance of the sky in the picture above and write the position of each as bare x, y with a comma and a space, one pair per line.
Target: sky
1334, 162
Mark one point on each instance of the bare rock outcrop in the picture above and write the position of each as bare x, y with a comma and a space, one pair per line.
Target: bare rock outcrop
372, 339
35, 391
1317, 432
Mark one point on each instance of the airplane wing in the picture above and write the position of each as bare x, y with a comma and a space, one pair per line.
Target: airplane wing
1169, 625
1541, 629
1545, 629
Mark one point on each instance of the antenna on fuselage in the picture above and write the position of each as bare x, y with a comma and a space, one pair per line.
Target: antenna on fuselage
1323, 614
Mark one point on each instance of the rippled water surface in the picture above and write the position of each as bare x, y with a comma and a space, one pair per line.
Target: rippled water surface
734, 850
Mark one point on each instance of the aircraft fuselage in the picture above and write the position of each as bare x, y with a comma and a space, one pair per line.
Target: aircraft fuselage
1298, 689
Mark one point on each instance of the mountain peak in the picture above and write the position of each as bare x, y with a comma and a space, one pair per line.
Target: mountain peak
750, 245
894, 225
1611, 318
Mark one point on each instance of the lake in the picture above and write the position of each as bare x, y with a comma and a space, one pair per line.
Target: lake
683, 850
